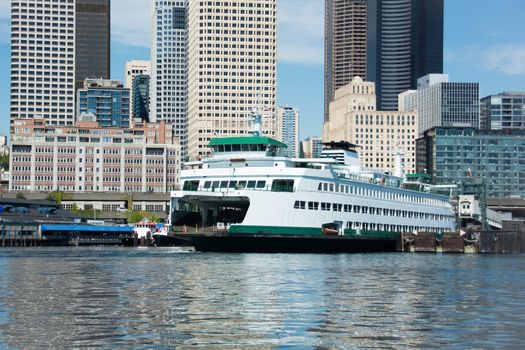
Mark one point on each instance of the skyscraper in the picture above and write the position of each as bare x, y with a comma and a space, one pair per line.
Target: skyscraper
168, 84
92, 40
55, 44
43, 60
140, 97
287, 119
134, 68
231, 67
442, 103
405, 42
345, 45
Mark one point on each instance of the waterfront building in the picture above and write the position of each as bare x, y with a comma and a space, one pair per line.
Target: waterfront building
380, 134
140, 97
405, 42
503, 111
168, 84
312, 147
106, 101
92, 39
345, 45
442, 103
229, 71
134, 68
451, 154
88, 157
288, 129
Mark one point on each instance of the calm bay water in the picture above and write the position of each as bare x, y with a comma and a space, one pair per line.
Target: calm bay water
166, 298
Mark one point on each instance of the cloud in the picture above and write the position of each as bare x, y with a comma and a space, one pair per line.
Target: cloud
300, 31
508, 59
131, 22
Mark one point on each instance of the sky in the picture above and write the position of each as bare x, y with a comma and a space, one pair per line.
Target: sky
484, 42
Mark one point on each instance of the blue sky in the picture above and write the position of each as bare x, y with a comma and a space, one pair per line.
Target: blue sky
484, 42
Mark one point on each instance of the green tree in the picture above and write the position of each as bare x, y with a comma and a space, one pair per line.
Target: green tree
4, 162
20, 195
136, 216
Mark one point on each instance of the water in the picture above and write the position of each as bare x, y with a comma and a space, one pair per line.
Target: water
165, 298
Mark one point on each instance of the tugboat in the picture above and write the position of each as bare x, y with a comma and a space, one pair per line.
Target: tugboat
249, 197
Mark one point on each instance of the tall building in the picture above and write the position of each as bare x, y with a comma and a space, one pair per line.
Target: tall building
168, 83
87, 157
442, 103
134, 68
92, 40
287, 119
43, 60
312, 147
503, 111
405, 42
345, 45
140, 97
55, 45
231, 68
380, 134
104, 101
451, 154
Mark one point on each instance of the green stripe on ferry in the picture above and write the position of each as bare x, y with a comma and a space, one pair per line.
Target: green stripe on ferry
275, 230
307, 231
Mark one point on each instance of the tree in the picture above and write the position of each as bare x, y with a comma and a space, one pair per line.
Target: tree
136, 216
20, 195
4, 162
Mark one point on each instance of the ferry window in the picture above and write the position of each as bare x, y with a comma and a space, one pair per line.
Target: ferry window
372, 211
242, 185
313, 205
337, 207
245, 148
220, 148
261, 184
357, 209
320, 187
325, 186
224, 184
282, 185
299, 205
207, 184
331, 187
227, 148
190, 186
232, 184
392, 212
379, 211
236, 148
349, 225
398, 213
347, 208
365, 210
261, 148
215, 184
325, 206
253, 148
251, 184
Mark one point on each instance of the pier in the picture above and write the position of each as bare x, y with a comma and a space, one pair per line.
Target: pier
483, 242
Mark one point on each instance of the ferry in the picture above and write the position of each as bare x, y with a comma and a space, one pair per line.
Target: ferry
248, 197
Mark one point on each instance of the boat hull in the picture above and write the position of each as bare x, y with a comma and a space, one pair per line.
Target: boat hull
229, 243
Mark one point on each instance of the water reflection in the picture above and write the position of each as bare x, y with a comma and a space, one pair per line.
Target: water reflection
92, 297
